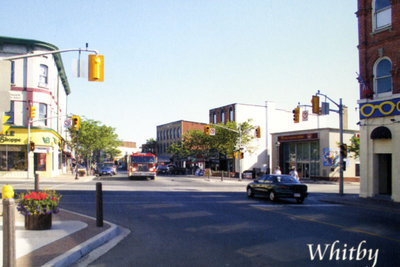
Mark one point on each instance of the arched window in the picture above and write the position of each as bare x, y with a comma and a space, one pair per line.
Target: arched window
179, 132
383, 76
214, 118
382, 14
222, 115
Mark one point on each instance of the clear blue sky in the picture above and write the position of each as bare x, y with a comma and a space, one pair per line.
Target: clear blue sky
169, 60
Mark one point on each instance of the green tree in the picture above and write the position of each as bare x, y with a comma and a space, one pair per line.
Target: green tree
354, 146
93, 137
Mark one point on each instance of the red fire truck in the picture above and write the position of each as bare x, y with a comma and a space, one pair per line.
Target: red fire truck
142, 165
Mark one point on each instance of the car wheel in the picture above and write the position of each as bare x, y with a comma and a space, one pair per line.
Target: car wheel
299, 200
250, 192
272, 196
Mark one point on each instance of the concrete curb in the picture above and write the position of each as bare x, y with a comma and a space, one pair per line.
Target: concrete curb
76, 253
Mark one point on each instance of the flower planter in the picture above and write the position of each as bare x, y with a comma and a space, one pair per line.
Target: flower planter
38, 222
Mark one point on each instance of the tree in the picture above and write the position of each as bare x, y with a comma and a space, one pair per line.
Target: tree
354, 146
93, 137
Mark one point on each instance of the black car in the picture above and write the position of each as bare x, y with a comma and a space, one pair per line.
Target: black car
278, 186
162, 169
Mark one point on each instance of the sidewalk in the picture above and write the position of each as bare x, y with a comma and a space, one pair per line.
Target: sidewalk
73, 239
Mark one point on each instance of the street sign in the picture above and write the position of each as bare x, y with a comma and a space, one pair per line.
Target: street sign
212, 131
305, 115
68, 123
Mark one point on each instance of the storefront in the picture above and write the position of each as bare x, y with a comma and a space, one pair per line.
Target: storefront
314, 153
45, 156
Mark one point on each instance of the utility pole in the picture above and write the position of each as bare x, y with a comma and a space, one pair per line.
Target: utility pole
340, 111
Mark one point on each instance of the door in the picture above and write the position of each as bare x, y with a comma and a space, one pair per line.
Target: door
385, 174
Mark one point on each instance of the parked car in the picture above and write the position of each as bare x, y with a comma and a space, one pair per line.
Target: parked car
161, 169
248, 174
278, 186
110, 165
173, 169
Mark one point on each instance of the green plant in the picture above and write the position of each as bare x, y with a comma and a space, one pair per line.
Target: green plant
38, 203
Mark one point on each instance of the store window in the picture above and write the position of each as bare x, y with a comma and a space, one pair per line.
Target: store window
383, 76
304, 156
382, 14
40, 162
13, 158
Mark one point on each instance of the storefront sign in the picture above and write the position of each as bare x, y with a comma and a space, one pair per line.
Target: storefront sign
380, 108
9, 138
298, 137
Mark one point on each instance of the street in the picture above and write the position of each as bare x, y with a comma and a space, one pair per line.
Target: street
190, 221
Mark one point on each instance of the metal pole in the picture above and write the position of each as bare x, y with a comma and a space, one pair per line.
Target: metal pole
240, 152
341, 145
36, 182
99, 205
27, 147
9, 246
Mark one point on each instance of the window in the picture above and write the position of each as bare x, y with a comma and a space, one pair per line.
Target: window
12, 72
43, 114
383, 76
382, 14
222, 116
230, 114
214, 118
43, 76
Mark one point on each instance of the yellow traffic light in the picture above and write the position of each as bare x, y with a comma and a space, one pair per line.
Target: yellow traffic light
207, 129
258, 132
32, 112
296, 115
76, 122
235, 154
315, 104
96, 68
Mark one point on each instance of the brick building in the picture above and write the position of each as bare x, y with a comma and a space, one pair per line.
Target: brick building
170, 133
379, 76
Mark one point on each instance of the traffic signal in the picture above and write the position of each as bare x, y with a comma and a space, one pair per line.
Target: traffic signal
96, 68
296, 115
32, 113
32, 146
315, 104
235, 154
76, 122
207, 129
343, 150
241, 155
258, 132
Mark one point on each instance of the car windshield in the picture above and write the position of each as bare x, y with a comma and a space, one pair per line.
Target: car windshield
108, 165
136, 159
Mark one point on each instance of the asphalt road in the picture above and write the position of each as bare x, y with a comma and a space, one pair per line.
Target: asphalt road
177, 221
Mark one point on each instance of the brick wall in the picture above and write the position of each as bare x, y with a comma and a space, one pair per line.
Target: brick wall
375, 44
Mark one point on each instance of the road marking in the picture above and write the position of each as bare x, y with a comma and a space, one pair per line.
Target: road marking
294, 205
310, 219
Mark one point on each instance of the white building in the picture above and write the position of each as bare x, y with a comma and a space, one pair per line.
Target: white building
271, 120
38, 82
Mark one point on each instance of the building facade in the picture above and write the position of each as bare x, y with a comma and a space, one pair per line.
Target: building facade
314, 153
271, 120
170, 133
379, 57
38, 82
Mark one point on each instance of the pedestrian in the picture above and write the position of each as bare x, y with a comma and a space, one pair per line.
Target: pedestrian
294, 173
277, 170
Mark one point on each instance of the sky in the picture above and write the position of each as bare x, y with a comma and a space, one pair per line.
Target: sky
170, 60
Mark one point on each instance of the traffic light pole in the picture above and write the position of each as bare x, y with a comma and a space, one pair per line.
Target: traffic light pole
341, 162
